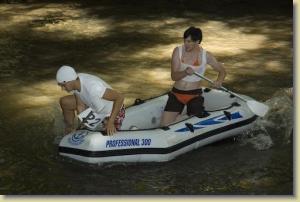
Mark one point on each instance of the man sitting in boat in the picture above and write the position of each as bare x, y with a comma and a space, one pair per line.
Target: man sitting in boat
90, 94
187, 59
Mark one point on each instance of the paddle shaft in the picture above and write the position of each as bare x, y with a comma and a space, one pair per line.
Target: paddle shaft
223, 88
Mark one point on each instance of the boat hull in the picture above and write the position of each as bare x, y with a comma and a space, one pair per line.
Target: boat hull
155, 144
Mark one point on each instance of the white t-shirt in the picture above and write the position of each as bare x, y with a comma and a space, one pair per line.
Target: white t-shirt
91, 93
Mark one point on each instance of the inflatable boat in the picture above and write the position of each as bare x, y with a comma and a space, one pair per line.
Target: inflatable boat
141, 139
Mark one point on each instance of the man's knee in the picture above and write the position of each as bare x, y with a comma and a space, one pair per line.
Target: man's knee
67, 102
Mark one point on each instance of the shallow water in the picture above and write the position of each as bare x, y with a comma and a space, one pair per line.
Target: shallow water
130, 47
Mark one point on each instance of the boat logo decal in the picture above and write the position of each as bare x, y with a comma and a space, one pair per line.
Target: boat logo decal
212, 121
78, 137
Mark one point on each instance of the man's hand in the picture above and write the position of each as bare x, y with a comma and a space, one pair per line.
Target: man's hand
68, 130
110, 128
118, 100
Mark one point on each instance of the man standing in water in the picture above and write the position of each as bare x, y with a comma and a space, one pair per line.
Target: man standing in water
89, 91
186, 60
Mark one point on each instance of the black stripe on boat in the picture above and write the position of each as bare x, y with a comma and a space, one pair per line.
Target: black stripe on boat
135, 151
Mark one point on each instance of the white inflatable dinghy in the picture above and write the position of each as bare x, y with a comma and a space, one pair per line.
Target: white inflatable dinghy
142, 140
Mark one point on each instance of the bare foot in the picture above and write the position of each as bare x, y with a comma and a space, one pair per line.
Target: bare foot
68, 130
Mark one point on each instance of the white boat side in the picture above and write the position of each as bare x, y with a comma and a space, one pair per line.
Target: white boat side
142, 140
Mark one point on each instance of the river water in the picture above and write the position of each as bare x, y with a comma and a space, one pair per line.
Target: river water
129, 45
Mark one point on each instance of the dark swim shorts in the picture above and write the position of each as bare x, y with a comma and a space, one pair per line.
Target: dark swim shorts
194, 104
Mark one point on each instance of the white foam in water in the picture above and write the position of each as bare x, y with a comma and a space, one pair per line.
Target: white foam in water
257, 136
276, 125
281, 114
261, 141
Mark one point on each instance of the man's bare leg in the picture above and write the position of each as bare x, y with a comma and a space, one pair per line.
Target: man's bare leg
68, 106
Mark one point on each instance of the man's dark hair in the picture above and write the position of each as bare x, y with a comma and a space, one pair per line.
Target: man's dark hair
195, 33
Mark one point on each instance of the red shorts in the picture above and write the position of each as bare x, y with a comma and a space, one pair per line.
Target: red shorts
119, 119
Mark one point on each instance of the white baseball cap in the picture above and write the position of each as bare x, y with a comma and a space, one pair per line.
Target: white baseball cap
65, 74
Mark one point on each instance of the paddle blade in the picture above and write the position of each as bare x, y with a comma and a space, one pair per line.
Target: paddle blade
258, 108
